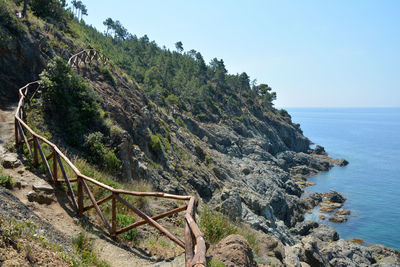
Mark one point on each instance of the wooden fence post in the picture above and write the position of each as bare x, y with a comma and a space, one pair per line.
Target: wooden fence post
16, 134
35, 153
114, 218
80, 196
55, 169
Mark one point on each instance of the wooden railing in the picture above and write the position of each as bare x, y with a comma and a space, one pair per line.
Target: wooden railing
194, 245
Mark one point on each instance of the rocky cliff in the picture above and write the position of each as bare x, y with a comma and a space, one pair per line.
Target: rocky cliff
250, 168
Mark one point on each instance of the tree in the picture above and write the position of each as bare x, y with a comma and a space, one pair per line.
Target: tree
26, 2
179, 47
83, 11
120, 32
109, 23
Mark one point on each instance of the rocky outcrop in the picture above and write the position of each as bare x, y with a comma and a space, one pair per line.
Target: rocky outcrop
233, 251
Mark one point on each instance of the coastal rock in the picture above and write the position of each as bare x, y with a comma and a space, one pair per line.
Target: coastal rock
328, 207
303, 228
325, 233
385, 256
231, 204
342, 253
338, 218
311, 201
319, 150
234, 250
312, 252
270, 247
335, 197
342, 211
341, 162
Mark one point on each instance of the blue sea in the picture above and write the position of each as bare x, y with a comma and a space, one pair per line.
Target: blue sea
369, 138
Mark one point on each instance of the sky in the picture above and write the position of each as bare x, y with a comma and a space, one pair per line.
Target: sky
312, 53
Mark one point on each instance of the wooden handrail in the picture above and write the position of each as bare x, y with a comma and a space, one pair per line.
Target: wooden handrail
194, 245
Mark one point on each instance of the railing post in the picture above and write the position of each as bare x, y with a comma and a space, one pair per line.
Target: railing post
80, 196
35, 152
55, 169
16, 134
114, 217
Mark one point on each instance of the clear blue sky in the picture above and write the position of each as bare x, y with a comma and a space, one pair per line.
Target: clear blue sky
312, 53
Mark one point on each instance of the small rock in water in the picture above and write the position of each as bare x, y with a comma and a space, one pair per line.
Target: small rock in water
341, 162
342, 211
334, 196
338, 218
322, 217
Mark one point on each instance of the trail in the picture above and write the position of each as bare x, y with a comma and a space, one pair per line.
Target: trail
60, 214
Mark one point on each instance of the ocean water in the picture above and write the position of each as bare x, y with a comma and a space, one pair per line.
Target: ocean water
369, 138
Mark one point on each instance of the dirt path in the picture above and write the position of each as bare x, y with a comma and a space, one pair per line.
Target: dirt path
60, 214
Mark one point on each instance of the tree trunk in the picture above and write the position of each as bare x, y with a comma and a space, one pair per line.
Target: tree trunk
25, 8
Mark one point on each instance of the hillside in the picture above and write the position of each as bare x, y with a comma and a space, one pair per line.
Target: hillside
167, 119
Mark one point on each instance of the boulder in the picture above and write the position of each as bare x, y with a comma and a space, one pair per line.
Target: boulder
303, 228
233, 251
10, 161
328, 207
325, 233
319, 150
312, 253
342, 253
335, 197
343, 212
40, 198
311, 201
341, 162
43, 187
338, 218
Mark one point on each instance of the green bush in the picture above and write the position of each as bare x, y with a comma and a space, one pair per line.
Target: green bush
126, 220
70, 101
108, 75
111, 161
180, 122
284, 113
6, 181
99, 154
215, 263
155, 143
215, 226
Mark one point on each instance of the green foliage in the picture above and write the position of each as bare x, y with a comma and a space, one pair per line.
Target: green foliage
155, 143
99, 154
159, 143
6, 181
182, 78
172, 99
70, 101
126, 220
215, 226
215, 263
180, 122
108, 75
50, 10
84, 245
284, 113
8, 20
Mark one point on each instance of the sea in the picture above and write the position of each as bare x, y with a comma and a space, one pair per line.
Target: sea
369, 138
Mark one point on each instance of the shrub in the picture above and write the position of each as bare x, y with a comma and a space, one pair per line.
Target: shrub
108, 75
125, 220
215, 226
284, 113
70, 100
6, 181
155, 143
180, 122
215, 263
99, 154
